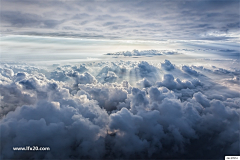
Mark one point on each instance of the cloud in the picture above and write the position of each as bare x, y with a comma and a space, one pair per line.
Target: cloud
138, 53
124, 20
171, 83
44, 121
167, 65
85, 78
202, 99
22, 20
144, 83
107, 95
189, 70
81, 116
147, 53
145, 70
108, 77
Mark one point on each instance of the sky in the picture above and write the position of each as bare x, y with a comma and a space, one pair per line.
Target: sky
108, 79
123, 20
82, 29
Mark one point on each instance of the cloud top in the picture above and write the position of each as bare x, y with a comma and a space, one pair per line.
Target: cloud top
94, 111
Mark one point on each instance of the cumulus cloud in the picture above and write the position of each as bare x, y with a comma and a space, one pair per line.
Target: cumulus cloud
94, 112
167, 65
189, 70
145, 70
85, 78
171, 83
108, 77
144, 83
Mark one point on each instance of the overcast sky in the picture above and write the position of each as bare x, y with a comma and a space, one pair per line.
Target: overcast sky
135, 20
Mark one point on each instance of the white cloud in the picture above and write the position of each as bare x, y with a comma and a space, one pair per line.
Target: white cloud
167, 65
143, 53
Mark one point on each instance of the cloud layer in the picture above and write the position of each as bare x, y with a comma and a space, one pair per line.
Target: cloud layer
143, 53
121, 109
155, 20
